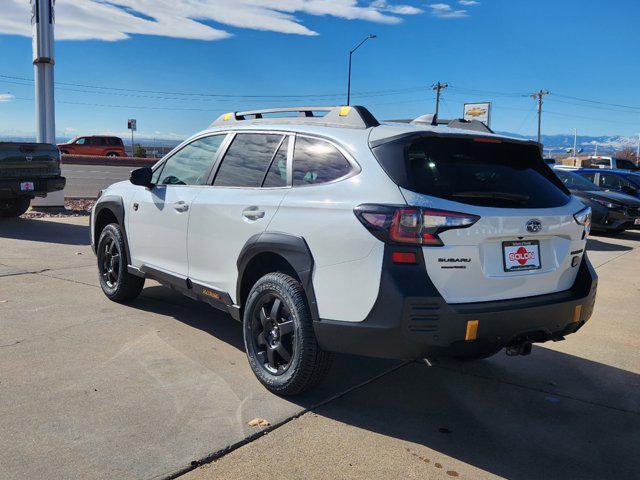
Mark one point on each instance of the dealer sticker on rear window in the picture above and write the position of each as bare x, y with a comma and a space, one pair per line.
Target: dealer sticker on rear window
521, 255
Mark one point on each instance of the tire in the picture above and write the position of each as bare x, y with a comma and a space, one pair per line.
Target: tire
14, 207
112, 154
116, 282
279, 339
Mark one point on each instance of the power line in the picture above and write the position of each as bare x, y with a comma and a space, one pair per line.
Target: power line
597, 101
224, 95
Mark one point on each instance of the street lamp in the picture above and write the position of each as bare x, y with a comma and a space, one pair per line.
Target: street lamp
350, 55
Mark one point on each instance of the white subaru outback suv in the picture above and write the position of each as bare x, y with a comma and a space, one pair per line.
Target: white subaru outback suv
330, 232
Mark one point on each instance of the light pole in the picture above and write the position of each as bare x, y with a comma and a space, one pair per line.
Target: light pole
350, 55
575, 142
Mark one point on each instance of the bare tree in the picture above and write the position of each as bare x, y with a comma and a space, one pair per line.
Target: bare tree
628, 153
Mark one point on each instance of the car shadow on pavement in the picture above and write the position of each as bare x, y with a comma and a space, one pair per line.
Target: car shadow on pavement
48, 231
598, 246
551, 415
347, 371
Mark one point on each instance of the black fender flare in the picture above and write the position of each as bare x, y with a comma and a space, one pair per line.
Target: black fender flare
115, 204
290, 247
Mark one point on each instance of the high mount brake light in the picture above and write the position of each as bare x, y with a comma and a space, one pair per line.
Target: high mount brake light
411, 225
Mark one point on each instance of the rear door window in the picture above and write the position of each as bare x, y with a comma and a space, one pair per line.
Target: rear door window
247, 160
610, 181
479, 172
316, 161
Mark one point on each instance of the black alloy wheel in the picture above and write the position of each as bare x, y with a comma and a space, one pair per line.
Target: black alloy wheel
273, 334
109, 261
115, 280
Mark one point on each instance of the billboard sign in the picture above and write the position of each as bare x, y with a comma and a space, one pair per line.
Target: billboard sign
478, 111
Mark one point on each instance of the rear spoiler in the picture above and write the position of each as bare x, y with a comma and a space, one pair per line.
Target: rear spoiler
433, 120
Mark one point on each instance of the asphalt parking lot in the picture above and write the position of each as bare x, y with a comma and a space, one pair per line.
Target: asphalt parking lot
92, 389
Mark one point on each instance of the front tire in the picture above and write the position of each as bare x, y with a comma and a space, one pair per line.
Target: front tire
279, 340
14, 207
112, 154
116, 282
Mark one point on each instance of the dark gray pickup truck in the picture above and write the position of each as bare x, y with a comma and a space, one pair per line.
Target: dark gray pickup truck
27, 170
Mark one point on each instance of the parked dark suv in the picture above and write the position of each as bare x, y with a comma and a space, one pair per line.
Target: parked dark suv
95, 145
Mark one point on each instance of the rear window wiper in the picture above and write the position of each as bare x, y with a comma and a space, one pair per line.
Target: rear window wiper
512, 197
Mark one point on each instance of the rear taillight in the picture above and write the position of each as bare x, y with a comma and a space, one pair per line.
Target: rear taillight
411, 225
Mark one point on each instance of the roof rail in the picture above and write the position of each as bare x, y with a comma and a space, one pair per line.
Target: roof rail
338, 116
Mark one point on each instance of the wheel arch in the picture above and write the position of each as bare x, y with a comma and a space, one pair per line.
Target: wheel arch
110, 209
268, 252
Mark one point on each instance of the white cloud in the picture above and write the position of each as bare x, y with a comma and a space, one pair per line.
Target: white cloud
384, 6
6, 97
444, 10
118, 19
469, 3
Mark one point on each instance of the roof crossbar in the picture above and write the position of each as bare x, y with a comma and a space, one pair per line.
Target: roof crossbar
339, 116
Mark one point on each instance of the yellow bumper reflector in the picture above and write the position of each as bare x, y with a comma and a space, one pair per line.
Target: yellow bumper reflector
472, 330
344, 111
576, 313
226, 116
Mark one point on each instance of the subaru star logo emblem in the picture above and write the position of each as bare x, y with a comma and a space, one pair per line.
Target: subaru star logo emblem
534, 226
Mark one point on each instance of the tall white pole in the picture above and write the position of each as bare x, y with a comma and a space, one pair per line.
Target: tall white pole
596, 154
638, 150
575, 142
42, 22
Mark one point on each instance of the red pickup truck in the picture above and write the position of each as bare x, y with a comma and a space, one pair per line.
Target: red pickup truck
100, 145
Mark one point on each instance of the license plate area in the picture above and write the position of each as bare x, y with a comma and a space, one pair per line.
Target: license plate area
518, 256
27, 186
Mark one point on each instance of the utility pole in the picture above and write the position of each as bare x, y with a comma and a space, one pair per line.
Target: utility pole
42, 24
575, 142
539, 96
438, 87
370, 36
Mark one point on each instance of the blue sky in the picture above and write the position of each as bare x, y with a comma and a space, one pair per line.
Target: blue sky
295, 52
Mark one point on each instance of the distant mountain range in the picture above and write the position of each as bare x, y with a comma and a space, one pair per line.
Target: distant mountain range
552, 143
560, 143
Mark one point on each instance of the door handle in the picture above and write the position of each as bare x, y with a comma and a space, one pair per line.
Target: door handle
253, 213
180, 206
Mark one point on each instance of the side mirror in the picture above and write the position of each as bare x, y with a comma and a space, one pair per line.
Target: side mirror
142, 176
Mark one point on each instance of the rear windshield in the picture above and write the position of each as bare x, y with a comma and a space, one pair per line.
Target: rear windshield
504, 175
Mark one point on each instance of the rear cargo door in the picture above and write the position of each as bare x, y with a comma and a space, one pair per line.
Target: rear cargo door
526, 242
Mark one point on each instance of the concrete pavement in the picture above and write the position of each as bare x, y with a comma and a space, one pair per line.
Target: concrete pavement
93, 389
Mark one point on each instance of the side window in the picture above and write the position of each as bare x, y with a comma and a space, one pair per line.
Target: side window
277, 174
591, 176
610, 182
316, 161
190, 165
626, 164
81, 141
247, 160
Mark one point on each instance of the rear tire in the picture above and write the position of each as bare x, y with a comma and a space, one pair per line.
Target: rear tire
14, 207
116, 282
112, 154
279, 340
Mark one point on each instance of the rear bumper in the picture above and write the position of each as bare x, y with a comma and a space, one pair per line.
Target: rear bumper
411, 320
11, 188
